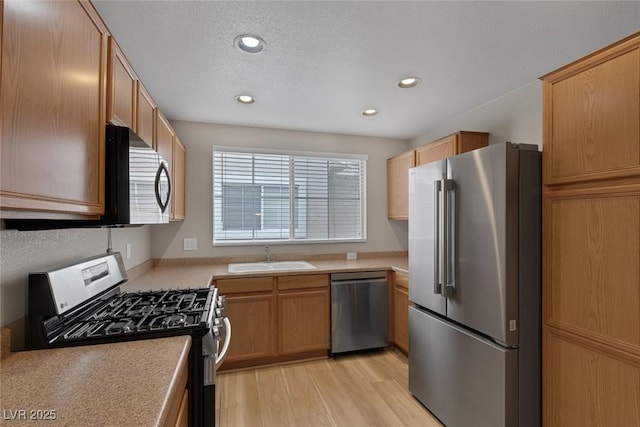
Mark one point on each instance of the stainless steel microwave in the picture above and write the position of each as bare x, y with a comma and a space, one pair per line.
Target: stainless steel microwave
137, 186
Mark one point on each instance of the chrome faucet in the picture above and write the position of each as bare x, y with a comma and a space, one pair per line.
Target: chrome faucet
268, 252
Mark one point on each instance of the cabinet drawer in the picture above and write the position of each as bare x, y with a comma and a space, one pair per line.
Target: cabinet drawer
249, 284
401, 280
303, 281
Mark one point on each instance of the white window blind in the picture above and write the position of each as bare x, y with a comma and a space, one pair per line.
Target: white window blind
272, 196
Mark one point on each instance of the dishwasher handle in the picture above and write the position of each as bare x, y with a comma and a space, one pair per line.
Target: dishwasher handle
356, 282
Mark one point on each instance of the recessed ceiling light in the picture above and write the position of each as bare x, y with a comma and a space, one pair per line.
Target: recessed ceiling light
245, 99
249, 43
369, 112
409, 82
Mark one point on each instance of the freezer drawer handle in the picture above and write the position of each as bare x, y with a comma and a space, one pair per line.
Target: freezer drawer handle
437, 283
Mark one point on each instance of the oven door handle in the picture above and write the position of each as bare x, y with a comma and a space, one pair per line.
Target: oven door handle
227, 339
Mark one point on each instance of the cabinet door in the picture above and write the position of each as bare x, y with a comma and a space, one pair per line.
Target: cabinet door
164, 138
591, 115
401, 318
584, 386
398, 185
52, 108
178, 181
145, 116
468, 141
437, 150
121, 89
253, 321
303, 321
592, 268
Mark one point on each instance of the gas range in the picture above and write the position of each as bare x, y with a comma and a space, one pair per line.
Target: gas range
135, 314
81, 304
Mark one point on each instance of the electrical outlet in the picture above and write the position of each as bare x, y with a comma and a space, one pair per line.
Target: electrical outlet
190, 244
128, 251
352, 255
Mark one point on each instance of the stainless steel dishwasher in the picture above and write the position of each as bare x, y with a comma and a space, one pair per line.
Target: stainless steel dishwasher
359, 308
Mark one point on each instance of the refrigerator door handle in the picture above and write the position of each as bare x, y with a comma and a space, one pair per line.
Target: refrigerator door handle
437, 282
449, 250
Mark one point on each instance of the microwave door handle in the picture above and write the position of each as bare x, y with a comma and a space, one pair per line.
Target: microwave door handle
163, 205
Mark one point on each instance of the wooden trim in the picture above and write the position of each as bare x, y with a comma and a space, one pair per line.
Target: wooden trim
303, 281
104, 47
293, 357
574, 336
598, 57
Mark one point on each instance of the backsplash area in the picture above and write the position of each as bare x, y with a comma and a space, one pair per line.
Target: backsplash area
22, 252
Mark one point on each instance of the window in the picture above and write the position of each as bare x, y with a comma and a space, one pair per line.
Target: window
273, 196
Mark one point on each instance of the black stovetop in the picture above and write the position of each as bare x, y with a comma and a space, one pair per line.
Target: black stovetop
134, 314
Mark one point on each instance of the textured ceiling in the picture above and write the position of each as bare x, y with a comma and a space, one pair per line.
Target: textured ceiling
327, 60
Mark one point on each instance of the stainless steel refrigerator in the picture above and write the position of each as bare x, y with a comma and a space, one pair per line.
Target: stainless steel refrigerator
475, 287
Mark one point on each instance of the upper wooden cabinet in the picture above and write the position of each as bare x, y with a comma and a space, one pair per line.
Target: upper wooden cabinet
398, 185
591, 239
145, 116
173, 152
398, 166
121, 89
128, 102
459, 142
591, 111
178, 174
53, 85
164, 138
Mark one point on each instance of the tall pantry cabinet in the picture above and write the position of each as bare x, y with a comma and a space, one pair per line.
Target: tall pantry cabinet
591, 238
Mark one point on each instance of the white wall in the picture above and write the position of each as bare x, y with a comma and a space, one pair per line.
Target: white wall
514, 117
22, 252
199, 138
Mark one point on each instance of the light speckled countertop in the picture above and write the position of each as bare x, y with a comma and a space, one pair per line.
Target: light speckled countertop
119, 384
185, 276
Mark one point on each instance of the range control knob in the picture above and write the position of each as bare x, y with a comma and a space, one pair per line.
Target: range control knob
222, 301
221, 312
216, 332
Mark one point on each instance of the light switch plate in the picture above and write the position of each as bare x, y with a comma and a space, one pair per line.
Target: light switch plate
128, 251
190, 244
352, 255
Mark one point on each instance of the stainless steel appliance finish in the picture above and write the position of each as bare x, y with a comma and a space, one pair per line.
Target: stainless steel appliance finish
81, 304
359, 304
474, 282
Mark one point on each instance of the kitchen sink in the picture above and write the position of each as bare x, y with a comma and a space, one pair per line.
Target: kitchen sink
251, 267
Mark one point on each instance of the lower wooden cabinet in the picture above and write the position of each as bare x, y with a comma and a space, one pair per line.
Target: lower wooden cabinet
303, 316
183, 412
400, 322
251, 311
178, 410
276, 318
590, 386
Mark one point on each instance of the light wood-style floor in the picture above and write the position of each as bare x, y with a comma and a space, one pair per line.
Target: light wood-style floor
367, 389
